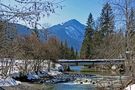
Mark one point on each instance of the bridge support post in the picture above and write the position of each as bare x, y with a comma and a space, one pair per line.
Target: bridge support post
77, 64
93, 64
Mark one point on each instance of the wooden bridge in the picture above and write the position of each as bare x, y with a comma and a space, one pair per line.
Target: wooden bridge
92, 61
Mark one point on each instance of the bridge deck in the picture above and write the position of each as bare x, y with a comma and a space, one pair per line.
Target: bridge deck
93, 61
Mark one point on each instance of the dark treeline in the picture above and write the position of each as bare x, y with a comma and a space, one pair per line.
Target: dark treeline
66, 52
52, 49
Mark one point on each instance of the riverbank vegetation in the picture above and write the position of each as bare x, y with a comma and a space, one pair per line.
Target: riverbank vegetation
96, 72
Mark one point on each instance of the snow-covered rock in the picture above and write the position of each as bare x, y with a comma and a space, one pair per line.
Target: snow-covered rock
54, 73
32, 76
59, 67
42, 73
9, 82
15, 75
114, 67
130, 87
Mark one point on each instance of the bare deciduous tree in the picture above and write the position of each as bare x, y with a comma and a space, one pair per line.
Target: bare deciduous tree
125, 13
28, 11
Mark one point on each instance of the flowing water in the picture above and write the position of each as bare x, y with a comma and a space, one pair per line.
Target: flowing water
76, 68
69, 86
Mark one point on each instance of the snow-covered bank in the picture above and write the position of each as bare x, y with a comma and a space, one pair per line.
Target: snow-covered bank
19, 65
16, 70
35, 76
30, 76
130, 87
9, 82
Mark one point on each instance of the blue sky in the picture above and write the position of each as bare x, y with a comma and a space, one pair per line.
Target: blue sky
72, 9
75, 9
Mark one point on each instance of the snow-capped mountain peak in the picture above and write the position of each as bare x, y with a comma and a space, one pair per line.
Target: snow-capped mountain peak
71, 31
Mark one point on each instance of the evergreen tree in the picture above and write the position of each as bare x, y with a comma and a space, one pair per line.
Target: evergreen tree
87, 46
106, 20
61, 56
72, 52
103, 35
76, 54
66, 51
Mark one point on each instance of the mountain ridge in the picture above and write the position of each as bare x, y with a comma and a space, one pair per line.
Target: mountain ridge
71, 32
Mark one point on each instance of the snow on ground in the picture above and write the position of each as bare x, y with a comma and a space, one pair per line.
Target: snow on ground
130, 87
54, 73
17, 67
9, 82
